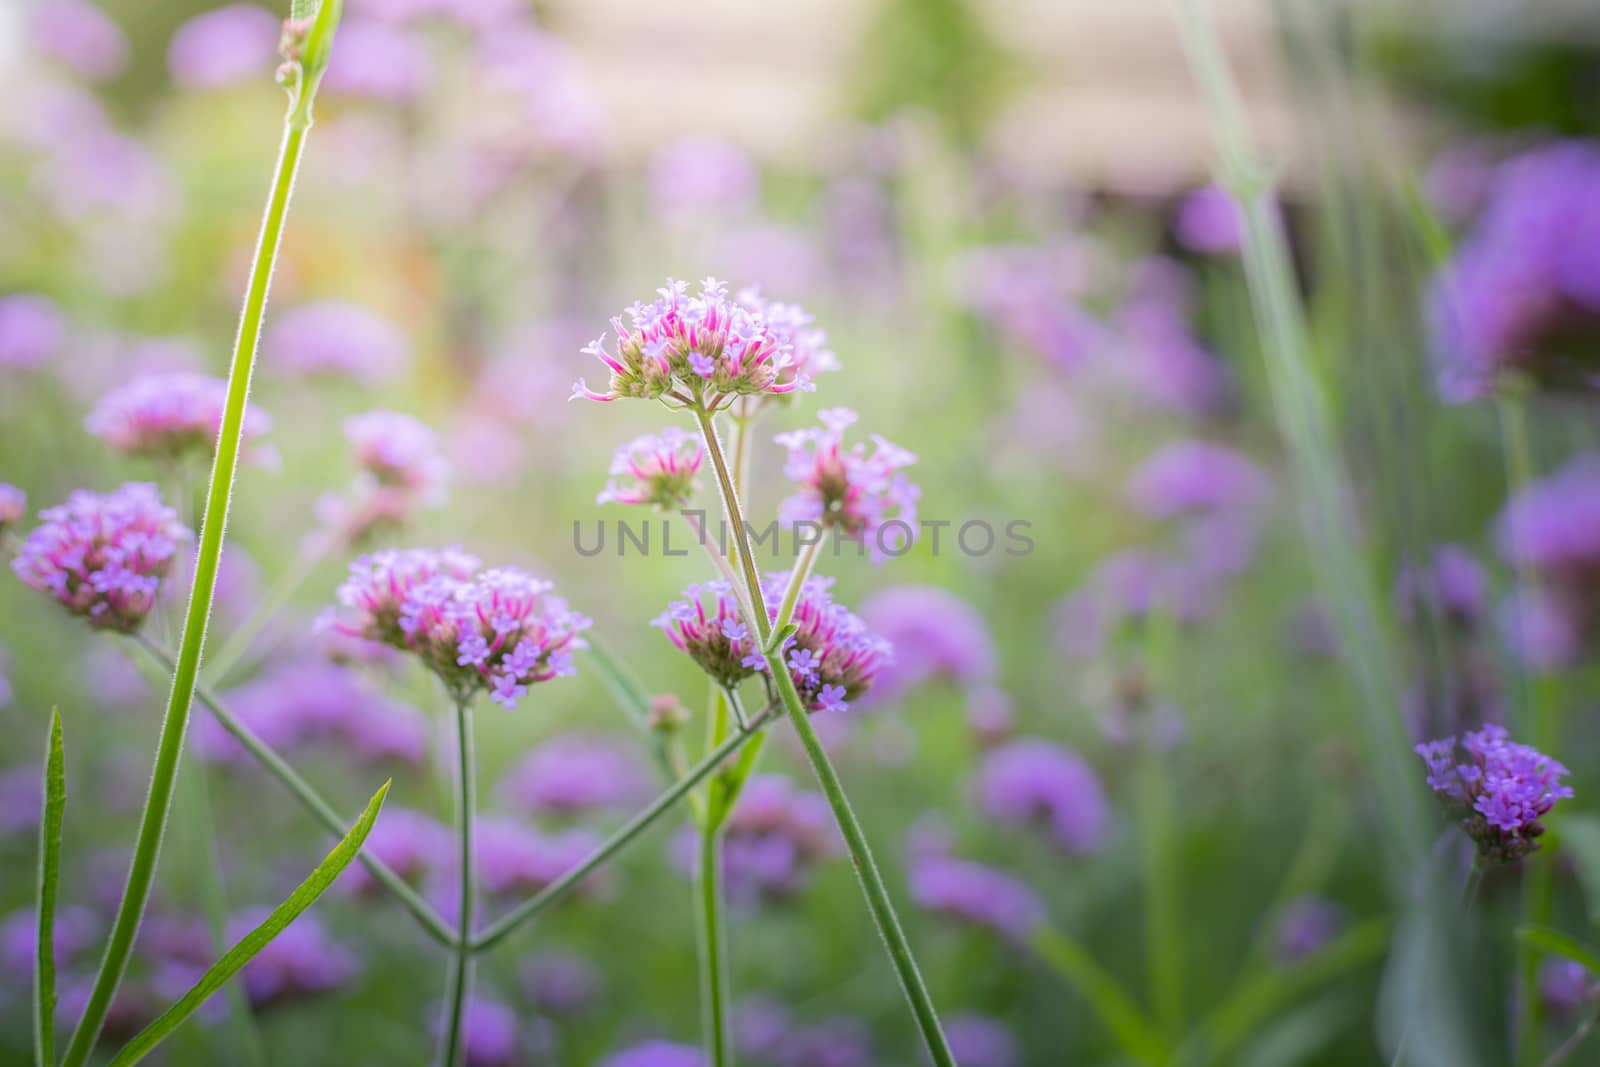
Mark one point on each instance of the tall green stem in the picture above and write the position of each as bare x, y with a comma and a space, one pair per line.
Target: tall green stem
716, 989
311, 800
878, 902
158, 802
460, 975
741, 536
502, 928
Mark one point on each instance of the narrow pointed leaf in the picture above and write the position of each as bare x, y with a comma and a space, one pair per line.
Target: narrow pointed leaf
1557, 943
234, 960
44, 969
1102, 992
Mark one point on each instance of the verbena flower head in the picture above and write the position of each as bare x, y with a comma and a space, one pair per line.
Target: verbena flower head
657, 469
496, 631
103, 557
1031, 780
862, 493
13, 506
796, 329
31, 330
400, 452
170, 416
832, 656
975, 894
702, 352
1500, 791
935, 634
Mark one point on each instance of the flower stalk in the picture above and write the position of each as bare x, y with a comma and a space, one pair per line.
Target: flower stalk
303, 74
460, 972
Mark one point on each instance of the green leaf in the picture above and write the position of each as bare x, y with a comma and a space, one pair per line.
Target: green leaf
44, 970
1103, 993
235, 958
1297, 1037
1557, 943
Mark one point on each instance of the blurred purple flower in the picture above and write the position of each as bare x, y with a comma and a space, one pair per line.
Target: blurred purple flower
1451, 583
775, 837
74, 934
103, 557
1209, 222
836, 1042
1525, 279
863, 495
100, 172
21, 800
936, 634
32, 330
576, 773
563, 985
1305, 926
302, 961
1155, 354
80, 36
226, 46
1128, 588
1190, 479
657, 469
337, 338
1499, 793
496, 631
1553, 528
399, 451
517, 859
975, 894
980, 1041
490, 1034
656, 1054
833, 657
1030, 780
1565, 985
991, 715
172, 416
379, 61
703, 177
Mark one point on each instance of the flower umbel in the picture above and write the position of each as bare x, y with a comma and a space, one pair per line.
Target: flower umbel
497, 631
170, 416
859, 492
1500, 792
656, 469
832, 656
701, 352
103, 557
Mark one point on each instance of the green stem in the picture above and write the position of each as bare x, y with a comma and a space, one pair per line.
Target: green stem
1162, 912
741, 537
460, 974
878, 902
797, 580
275, 765
501, 928
158, 802
715, 987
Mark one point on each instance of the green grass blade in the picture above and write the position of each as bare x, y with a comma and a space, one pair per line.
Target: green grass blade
1557, 943
44, 971
343, 854
1103, 994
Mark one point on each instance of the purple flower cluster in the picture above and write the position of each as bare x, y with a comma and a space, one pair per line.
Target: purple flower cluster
1452, 583
656, 1054
399, 451
1031, 780
1553, 528
411, 844
496, 631
1527, 279
517, 860
170, 416
1500, 792
975, 894
103, 557
657, 469
81, 37
32, 330
224, 47
1196, 479
701, 352
491, 1034
576, 773
935, 634
832, 656
775, 837
336, 338
979, 1041
1209, 222
316, 704
860, 493
796, 330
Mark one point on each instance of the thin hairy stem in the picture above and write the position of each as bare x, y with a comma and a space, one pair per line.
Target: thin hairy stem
797, 580
741, 536
878, 902
319, 808
502, 928
715, 986
219, 494
460, 973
